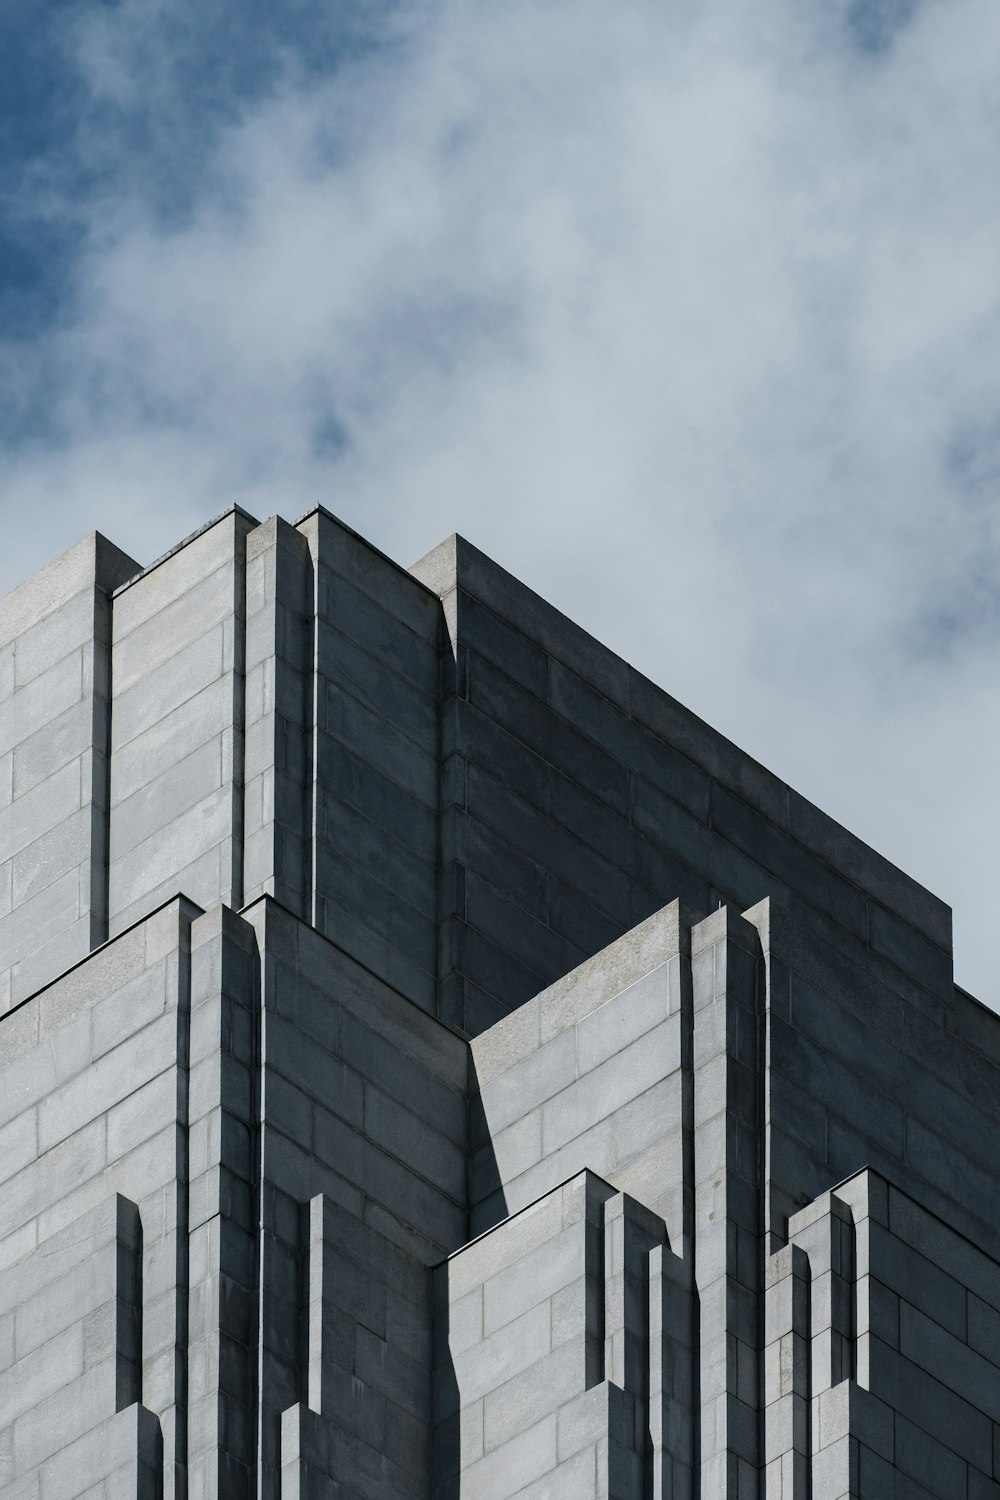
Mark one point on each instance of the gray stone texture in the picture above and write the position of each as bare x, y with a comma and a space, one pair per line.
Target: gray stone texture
435, 1064
54, 744
178, 676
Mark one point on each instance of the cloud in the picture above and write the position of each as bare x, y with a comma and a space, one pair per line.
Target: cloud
687, 314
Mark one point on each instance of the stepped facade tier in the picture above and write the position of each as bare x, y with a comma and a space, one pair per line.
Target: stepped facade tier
436, 1064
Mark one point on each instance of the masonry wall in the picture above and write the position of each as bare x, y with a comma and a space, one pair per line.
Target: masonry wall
376, 664
94, 1197
54, 743
435, 1064
580, 798
71, 1383
588, 1074
177, 672
865, 1069
544, 1353
882, 1367
443, 773
333, 1117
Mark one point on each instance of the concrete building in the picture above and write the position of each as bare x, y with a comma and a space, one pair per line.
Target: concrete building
434, 1063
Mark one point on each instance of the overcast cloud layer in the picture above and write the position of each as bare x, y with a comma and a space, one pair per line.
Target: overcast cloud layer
689, 314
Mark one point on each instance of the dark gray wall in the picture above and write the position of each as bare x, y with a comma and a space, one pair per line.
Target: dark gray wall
578, 798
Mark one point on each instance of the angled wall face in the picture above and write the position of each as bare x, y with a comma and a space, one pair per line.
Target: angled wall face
578, 798
863, 1069
177, 726
589, 1074
435, 1064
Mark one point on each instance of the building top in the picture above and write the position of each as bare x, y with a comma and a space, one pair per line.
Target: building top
433, 1062
154, 684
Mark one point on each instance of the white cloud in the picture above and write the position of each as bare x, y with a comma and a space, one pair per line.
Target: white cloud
687, 314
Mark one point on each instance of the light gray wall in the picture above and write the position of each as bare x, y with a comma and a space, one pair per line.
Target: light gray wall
54, 687
588, 1074
546, 1368
93, 1093
177, 674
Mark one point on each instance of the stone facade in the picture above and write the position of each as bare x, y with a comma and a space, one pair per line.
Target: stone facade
433, 1063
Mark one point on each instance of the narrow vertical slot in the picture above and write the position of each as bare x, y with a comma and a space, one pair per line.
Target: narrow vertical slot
128, 1304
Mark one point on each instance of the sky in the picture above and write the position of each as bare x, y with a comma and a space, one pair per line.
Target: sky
687, 313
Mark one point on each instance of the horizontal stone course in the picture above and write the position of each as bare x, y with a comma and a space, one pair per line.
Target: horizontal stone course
206, 601
182, 677
343, 555
459, 565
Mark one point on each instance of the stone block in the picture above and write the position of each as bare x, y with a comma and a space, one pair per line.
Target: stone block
926, 1286
160, 867
205, 603
343, 557
592, 1151
635, 1012
375, 740
530, 1083
344, 775
182, 728
927, 1345
598, 1094
168, 579
549, 734
812, 878
517, 1237
512, 1467
931, 1465
507, 868
405, 700
55, 745
390, 1065
525, 937
532, 1278
49, 917
629, 740
909, 950
511, 1407
189, 782
472, 739
181, 677
39, 810
419, 1145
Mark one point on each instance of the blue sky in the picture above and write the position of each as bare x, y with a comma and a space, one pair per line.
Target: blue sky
687, 313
